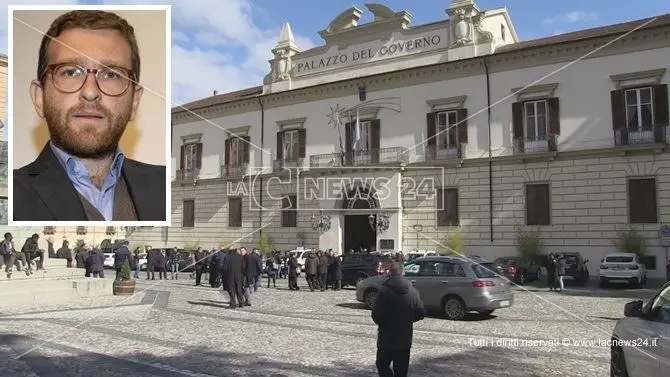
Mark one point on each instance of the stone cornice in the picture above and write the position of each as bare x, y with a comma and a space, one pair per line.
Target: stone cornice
567, 52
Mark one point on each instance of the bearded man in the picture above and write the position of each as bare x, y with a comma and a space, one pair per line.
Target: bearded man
87, 91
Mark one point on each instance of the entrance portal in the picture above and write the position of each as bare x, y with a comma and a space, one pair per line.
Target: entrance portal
358, 234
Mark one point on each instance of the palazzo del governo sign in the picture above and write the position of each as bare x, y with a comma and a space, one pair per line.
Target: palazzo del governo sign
336, 58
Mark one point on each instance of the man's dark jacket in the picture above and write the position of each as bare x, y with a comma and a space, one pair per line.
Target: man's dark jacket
397, 307
43, 191
122, 254
234, 270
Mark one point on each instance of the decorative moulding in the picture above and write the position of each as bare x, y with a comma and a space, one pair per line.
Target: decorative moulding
288, 124
192, 138
449, 103
368, 112
238, 131
535, 92
627, 80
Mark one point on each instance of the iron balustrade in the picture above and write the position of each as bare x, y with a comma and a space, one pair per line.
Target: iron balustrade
656, 134
444, 152
234, 171
389, 155
537, 144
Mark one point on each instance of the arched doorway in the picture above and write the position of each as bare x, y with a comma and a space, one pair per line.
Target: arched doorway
358, 233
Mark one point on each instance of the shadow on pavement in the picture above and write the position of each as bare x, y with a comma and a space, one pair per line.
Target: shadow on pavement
55, 360
591, 289
470, 317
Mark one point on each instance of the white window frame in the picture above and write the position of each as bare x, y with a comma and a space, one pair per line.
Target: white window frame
365, 142
444, 137
190, 154
236, 150
291, 144
638, 106
536, 120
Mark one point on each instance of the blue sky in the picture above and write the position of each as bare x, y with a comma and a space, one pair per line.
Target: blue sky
224, 45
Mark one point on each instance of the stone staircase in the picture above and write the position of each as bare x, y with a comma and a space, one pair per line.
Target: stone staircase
54, 269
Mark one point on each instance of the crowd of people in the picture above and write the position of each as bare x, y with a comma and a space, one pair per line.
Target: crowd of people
24, 259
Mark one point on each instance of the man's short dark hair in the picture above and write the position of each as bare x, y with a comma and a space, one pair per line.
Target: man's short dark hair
7, 235
396, 269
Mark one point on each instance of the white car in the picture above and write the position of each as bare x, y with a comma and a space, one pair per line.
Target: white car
640, 344
109, 260
300, 255
622, 268
143, 262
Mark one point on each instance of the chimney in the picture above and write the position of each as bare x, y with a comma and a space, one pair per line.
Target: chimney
215, 92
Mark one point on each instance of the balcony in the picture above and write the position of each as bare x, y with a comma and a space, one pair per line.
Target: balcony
383, 156
188, 175
234, 171
641, 136
3, 162
538, 144
445, 152
281, 164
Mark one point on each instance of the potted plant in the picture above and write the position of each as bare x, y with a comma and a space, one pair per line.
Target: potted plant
453, 242
125, 286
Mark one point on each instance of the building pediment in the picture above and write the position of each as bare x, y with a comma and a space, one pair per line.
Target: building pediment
345, 26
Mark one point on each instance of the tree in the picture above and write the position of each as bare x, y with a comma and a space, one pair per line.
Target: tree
453, 241
629, 240
529, 243
265, 244
125, 270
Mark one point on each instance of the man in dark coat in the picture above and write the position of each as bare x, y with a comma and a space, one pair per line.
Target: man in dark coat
323, 270
293, 272
397, 307
31, 250
312, 270
234, 273
152, 260
254, 265
121, 255
337, 271
65, 253
200, 261
96, 259
82, 256
214, 275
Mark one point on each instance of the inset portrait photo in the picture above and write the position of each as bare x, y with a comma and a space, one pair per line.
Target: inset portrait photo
89, 115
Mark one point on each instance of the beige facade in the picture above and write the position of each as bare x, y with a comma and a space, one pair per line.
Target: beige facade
3, 91
3, 147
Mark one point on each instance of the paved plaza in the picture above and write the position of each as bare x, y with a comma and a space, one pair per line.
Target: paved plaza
176, 329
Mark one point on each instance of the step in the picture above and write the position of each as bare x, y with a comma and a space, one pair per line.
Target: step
57, 290
49, 273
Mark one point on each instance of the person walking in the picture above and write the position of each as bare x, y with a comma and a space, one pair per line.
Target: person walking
293, 266
96, 259
121, 255
551, 272
234, 274
560, 272
272, 269
397, 307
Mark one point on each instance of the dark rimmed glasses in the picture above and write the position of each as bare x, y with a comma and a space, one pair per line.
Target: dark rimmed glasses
70, 78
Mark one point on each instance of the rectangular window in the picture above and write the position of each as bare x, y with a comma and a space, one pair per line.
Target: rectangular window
535, 120
235, 212
289, 213
190, 157
447, 207
188, 215
639, 109
81, 230
49, 230
538, 204
291, 140
365, 141
447, 130
642, 206
237, 151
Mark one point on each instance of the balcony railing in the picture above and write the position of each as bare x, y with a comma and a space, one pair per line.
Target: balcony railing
442, 152
234, 171
281, 164
538, 144
360, 158
640, 136
188, 175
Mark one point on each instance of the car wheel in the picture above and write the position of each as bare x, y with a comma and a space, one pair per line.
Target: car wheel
538, 276
370, 298
617, 363
454, 308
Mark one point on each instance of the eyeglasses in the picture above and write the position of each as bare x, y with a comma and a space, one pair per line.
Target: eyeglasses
70, 78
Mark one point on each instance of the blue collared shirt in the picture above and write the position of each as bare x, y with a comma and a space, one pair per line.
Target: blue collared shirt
101, 199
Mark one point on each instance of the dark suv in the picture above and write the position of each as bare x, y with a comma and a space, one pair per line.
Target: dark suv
518, 269
576, 269
360, 266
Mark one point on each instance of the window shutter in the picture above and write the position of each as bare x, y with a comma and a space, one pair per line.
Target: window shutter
375, 134
280, 145
531, 205
182, 155
462, 127
227, 152
618, 109
198, 156
302, 143
543, 204
431, 140
245, 148
452, 207
348, 136
517, 120
441, 208
661, 116
553, 111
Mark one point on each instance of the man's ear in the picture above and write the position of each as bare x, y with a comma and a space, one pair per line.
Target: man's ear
137, 96
37, 95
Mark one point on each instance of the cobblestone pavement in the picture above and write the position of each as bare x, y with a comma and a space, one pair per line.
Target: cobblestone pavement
176, 329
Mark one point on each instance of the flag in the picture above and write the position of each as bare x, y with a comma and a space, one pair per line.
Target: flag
357, 132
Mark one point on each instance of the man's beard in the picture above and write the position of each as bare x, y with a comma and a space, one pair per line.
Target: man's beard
86, 141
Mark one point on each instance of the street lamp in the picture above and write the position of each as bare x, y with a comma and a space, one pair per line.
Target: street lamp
418, 228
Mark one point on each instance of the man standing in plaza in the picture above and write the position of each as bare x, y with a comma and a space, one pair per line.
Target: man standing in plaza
121, 255
81, 174
397, 307
234, 275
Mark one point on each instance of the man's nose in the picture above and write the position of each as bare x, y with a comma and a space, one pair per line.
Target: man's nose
90, 90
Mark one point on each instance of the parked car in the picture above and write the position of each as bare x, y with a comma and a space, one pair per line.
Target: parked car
641, 340
576, 269
300, 255
143, 261
622, 268
359, 266
109, 260
518, 269
186, 261
451, 285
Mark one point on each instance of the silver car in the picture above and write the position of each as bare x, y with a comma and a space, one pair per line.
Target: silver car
452, 285
640, 344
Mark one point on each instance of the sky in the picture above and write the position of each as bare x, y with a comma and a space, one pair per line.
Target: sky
225, 45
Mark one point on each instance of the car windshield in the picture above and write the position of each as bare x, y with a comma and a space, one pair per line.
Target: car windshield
619, 259
570, 259
484, 270
504, 262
